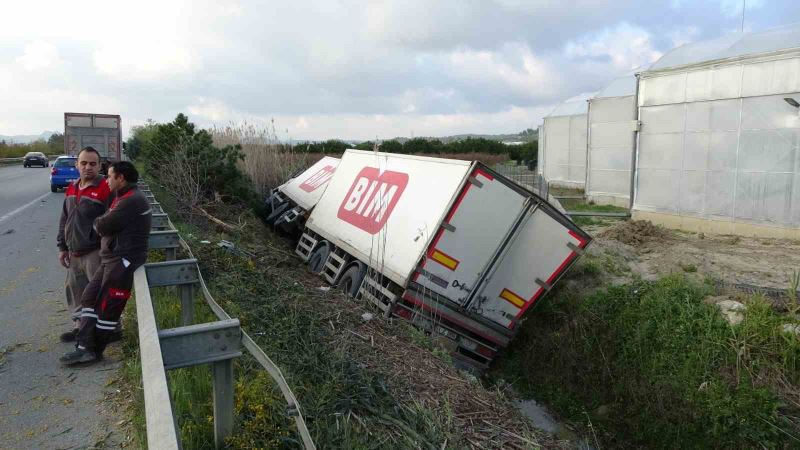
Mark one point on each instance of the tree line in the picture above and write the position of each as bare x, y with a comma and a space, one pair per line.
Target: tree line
53, 146
526, 151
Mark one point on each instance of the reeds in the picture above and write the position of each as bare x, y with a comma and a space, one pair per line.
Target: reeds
268, 162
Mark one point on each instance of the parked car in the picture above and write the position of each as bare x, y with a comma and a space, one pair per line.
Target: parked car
35, 159
63, 172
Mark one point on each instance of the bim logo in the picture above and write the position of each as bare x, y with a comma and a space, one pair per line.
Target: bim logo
319, 178
371, 199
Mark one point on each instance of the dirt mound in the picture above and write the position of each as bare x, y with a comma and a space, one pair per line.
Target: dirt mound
634, 232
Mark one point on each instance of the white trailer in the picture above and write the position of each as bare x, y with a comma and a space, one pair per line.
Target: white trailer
453, 246
288, 204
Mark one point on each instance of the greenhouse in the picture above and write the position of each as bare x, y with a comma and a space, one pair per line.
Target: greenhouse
564, 134
612, 137
719, 133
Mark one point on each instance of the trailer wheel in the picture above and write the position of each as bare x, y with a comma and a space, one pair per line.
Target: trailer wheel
268, 204
350, 282
317, 260
276, 213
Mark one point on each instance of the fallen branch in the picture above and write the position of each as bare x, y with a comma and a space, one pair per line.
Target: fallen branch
214, 219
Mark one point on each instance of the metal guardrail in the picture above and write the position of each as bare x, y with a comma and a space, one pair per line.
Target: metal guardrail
216, 343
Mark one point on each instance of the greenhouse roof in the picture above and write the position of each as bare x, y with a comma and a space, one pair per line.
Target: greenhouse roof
731, 46
621, 86
573, 107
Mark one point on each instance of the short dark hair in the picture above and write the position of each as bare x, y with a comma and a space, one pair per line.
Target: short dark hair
127, 170
90, 149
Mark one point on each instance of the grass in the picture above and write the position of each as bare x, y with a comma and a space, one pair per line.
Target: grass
345, 405
662, 365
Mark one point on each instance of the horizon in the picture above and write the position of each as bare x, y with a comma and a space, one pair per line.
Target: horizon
411, 68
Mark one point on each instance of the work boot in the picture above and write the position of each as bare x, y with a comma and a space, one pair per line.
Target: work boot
114, 336
69, 336
78, 356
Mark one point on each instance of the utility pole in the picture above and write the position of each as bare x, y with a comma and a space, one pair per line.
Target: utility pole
744, 7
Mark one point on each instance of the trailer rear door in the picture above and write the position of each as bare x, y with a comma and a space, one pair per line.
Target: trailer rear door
473, 230
543, 248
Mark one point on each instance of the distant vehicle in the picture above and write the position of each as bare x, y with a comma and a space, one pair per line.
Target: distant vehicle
63, 172
101, 131
35, 159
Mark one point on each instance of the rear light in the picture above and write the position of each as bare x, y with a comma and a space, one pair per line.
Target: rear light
53, 171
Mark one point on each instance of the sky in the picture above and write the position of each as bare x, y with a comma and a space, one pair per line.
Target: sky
339, 68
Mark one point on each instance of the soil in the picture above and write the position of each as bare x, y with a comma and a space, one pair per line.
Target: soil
652, 251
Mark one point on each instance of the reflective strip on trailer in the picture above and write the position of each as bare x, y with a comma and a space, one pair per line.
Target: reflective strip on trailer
444, 259
512, 298
550, 280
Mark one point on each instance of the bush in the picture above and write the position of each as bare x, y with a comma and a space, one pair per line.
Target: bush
190, 165
667, 369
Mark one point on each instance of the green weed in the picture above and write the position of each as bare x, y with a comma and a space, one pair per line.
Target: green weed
670, 371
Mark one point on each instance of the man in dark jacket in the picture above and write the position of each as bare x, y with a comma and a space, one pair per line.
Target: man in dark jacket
124, 231
86, 199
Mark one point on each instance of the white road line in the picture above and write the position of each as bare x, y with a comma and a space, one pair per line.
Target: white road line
13, 213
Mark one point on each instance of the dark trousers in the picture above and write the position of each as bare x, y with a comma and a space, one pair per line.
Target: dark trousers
102, 304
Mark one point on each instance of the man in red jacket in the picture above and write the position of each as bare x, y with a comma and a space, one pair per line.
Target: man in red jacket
124, 231
87, 198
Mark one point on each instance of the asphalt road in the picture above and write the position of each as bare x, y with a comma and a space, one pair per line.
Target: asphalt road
42, 404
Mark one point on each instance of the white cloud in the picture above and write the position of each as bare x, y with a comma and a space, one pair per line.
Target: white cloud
626, 46
39, 55
514, 67
341, 68
683, 35
211, 109
143, 61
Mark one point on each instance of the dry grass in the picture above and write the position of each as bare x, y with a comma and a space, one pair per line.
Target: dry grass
268, 162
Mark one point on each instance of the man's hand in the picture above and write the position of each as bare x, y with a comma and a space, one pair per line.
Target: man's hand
63, 258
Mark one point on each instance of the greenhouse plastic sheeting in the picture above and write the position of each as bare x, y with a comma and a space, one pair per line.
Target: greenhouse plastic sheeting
564, 142
731, 46
733, 159
611, 144
564, 149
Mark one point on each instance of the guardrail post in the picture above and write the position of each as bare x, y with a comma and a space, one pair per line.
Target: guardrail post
187, 304
223, 401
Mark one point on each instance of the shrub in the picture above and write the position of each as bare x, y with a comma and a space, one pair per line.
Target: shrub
667, 368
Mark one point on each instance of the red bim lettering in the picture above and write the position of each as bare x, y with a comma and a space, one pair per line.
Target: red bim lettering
319, 178
371, 199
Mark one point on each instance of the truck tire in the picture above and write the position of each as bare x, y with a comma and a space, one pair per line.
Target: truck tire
317, 260
268, 205
350, 282
273, 216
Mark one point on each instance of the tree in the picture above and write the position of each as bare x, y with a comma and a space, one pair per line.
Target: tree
56, 143
392, 146
366, 145
423, 145
188, 163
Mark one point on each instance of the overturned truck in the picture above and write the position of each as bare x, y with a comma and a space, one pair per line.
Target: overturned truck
453, 246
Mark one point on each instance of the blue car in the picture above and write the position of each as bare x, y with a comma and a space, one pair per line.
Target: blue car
63, 172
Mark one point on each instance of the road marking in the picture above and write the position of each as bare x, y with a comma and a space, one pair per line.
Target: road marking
13, 213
